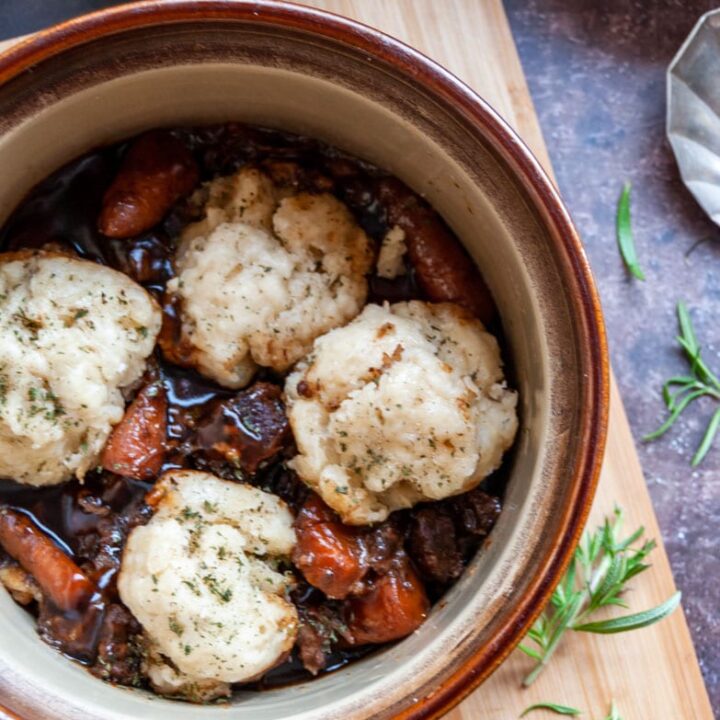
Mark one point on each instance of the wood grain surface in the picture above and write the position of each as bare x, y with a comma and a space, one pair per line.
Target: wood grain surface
653, 673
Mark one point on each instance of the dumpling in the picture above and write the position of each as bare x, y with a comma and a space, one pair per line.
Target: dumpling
259, 278
202, 578
73, 334
406, 403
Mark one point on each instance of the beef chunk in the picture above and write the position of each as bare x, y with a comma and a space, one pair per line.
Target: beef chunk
313, 646
321, 628
383, 543
119, 649
476, 512
73, 633
444, 536
146, 259
245, 430
94, 632
284, 482
433, 545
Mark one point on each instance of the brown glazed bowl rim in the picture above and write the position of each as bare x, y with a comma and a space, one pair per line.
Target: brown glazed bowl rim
448, 90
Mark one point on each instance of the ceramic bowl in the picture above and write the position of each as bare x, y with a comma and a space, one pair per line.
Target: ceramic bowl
114, 73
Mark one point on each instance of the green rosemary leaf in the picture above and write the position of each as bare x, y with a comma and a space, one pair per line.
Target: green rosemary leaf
566, 710
697, 365
569, 581
707, 440
632, 622
608, 587
535, 635
674, 415
689, 342
624, 234
616, 602
635, 570
680, 391
534, 654
595, 544
625, 544
552, 707
687, 331
671, 398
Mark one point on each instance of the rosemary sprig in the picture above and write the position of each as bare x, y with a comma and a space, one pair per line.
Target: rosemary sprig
566, 710
597, 577
624, 234
552, 707
680, 391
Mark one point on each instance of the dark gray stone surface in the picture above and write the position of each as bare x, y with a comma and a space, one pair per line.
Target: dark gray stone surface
19, 17
596, 71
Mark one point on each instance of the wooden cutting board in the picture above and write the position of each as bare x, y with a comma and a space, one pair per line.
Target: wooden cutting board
653, 673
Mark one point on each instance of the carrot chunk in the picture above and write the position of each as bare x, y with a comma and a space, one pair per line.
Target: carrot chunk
444, 270
327, 552
156, 172
60, 579
136, 446
393, 608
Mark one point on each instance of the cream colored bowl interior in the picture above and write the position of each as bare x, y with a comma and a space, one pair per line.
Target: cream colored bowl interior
488, 212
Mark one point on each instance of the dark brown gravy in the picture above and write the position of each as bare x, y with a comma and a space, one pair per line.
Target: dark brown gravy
63, 210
